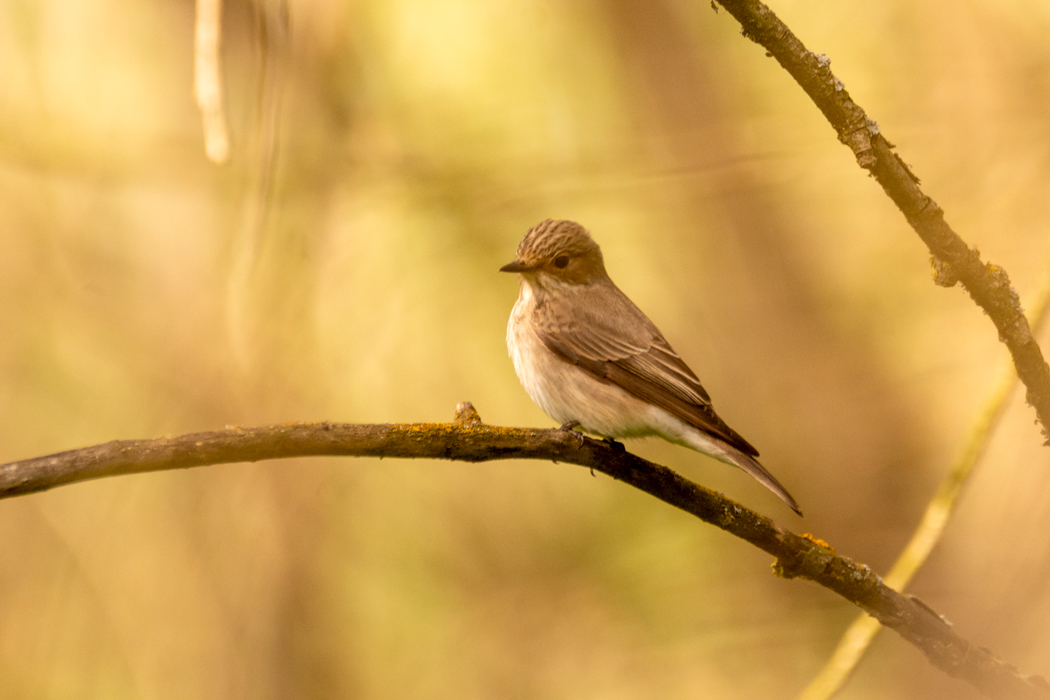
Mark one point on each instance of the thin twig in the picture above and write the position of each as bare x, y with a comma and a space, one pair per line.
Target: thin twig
467, 439
207, 78
858, 636
954, 261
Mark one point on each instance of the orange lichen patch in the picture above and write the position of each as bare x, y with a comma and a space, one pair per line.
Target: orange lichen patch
420, 427
500, 430
817, 541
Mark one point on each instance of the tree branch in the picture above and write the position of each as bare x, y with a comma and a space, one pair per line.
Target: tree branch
953, 260
467, 439
859, 635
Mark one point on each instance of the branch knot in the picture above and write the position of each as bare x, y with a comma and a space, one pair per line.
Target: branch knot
466, 415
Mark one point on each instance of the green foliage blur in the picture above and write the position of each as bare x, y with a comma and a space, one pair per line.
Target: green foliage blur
342, 266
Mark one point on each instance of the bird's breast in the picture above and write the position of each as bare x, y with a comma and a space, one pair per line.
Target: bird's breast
564, 391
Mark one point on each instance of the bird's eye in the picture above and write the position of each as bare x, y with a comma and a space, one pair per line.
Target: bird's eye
561, 261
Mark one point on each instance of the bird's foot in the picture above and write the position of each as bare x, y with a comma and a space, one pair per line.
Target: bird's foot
568, 427
618, 446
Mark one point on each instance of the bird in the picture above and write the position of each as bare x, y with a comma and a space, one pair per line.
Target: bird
590, 358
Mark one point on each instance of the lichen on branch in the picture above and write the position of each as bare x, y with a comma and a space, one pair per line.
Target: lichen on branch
468, 439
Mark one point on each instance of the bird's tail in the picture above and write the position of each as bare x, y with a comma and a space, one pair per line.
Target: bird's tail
752, 466
724, 452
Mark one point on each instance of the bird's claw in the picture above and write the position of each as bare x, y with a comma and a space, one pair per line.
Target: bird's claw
618, 446
568, 427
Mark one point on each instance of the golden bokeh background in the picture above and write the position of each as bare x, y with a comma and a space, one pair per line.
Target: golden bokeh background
146, 291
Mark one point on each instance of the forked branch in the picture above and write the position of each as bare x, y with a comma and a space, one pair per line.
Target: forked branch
467, 439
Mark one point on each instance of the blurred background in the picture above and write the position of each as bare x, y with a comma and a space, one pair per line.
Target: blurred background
385, 159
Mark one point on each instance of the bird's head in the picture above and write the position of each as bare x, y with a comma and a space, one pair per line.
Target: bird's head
558, 252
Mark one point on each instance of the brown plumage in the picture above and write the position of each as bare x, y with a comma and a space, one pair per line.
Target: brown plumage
586, 354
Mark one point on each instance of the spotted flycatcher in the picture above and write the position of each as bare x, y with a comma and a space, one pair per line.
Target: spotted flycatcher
590, 358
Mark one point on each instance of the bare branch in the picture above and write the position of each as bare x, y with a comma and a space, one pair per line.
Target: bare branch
467, 439
954, 261
927, 535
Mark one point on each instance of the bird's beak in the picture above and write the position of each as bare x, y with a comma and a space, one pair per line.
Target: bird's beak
516, 266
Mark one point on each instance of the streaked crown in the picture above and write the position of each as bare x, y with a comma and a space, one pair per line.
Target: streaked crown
553, 237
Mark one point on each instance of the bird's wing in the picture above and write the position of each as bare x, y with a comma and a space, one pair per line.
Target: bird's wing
617, 343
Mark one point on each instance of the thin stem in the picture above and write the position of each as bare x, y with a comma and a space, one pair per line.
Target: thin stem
207, 78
